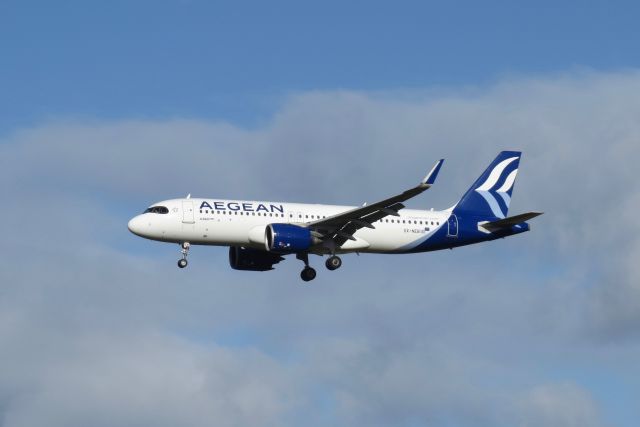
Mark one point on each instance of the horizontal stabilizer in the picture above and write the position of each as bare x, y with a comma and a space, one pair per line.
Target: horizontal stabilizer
509, 221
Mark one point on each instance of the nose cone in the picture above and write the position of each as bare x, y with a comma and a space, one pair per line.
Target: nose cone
136, 225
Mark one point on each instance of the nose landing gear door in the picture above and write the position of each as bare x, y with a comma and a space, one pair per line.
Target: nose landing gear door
187, 212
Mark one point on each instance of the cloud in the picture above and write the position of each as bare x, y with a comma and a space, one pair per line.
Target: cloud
97, 326
559, 405
144, 379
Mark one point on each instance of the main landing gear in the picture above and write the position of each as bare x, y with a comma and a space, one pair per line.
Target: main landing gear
308, 273
182, 263
333, 263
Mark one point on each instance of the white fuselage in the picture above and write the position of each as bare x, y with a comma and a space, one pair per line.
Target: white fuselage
243, 223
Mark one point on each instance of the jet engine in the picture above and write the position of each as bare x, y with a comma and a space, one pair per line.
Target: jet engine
252, 259
289, 238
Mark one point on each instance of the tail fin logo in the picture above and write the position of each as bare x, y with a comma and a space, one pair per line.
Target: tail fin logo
488, 188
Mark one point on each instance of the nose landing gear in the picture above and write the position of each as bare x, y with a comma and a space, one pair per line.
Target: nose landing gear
182, 263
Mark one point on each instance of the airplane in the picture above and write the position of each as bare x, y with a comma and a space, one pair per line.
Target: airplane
259, 234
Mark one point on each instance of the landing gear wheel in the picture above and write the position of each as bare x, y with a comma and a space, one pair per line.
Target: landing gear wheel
185, 251
308, 274
333, 263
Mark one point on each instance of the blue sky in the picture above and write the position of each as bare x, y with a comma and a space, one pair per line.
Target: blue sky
106, 107
236, 60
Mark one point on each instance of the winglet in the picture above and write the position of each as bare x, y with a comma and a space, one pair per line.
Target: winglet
431, 176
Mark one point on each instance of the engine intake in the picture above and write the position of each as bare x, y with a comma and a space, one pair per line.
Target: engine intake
288, 238
252, 259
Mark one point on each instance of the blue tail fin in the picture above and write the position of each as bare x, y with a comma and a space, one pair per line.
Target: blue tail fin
490, 195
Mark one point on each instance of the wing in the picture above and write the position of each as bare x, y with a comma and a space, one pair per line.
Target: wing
342, 226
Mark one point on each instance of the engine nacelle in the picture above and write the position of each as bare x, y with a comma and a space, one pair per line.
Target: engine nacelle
252, 259
288, 238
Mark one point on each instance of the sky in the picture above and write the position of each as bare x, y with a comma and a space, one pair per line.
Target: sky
106, 108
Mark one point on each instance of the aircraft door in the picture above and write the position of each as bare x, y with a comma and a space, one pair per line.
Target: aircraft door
452, 224
187, 212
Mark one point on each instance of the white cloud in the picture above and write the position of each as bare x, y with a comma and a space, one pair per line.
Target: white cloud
558, 405
145, 379
99, 326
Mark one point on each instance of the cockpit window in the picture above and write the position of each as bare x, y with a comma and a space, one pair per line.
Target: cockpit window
157, 209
